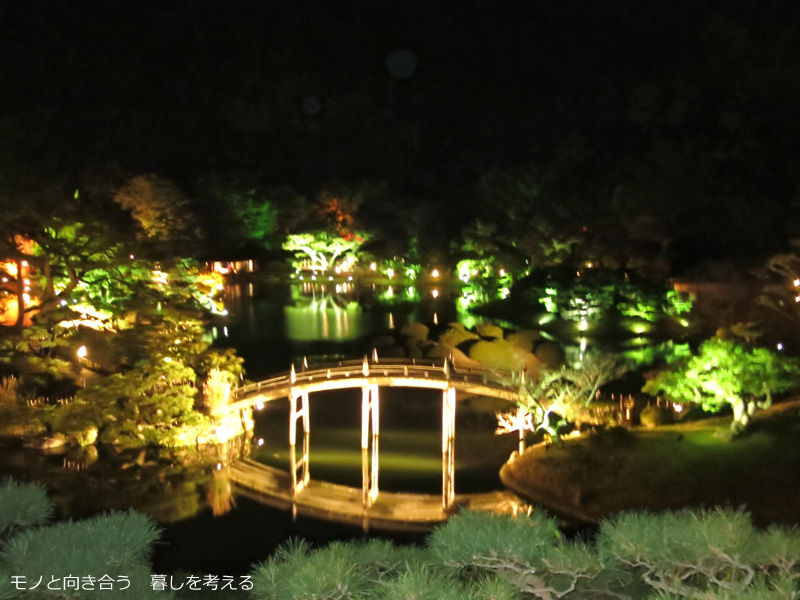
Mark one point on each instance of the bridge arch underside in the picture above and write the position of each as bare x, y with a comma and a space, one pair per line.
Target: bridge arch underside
381, 509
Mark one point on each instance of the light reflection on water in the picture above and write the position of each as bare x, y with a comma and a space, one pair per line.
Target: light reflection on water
271, 327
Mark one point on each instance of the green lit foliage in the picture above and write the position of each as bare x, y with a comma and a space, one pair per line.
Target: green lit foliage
253, 215
22, 505
727, 372
323, 250
484, 279
593, 294
648, 355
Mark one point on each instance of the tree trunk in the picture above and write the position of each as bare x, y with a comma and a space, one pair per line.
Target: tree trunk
741, 416
20, 296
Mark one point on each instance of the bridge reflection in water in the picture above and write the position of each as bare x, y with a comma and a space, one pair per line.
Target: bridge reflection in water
367, 506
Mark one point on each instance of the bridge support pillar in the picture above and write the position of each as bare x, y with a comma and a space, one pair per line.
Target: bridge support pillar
448, 447
370, 431
301, 465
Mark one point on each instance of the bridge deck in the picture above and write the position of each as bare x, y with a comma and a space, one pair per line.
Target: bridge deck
391, 510
355, 374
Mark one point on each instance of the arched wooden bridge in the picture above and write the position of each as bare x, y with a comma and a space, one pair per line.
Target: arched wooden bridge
369, 376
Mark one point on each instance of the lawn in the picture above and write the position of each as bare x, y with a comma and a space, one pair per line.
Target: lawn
688, 465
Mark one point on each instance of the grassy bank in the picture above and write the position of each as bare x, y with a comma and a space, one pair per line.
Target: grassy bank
690, 465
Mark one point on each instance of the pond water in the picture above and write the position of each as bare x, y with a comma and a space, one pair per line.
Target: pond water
272, 326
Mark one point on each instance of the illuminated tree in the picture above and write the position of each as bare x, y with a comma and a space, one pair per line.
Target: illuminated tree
324, 250
559, 397
246, 216
159, 207
726, 372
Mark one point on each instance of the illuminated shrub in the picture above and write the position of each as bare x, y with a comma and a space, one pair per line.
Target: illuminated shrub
653, 416
595, 294
497, 354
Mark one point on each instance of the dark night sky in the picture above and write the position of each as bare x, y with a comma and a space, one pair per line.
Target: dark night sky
298, 91
190, 86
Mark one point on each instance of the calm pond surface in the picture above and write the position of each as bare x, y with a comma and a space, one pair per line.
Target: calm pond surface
210, 526
271, 327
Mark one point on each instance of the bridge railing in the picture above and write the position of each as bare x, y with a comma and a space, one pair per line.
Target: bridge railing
424, 368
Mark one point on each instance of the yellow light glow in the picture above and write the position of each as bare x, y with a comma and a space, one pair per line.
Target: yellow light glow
583, 325
81, 352
502, 272
373, 267
390, 273
796, 282
435, 273
435, 293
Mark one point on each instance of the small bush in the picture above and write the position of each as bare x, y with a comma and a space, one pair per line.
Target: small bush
653, 416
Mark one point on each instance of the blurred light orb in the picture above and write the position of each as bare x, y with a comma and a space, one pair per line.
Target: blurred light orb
312, 104
401, 63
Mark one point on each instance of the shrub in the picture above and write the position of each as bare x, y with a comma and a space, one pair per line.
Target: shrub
653, 416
